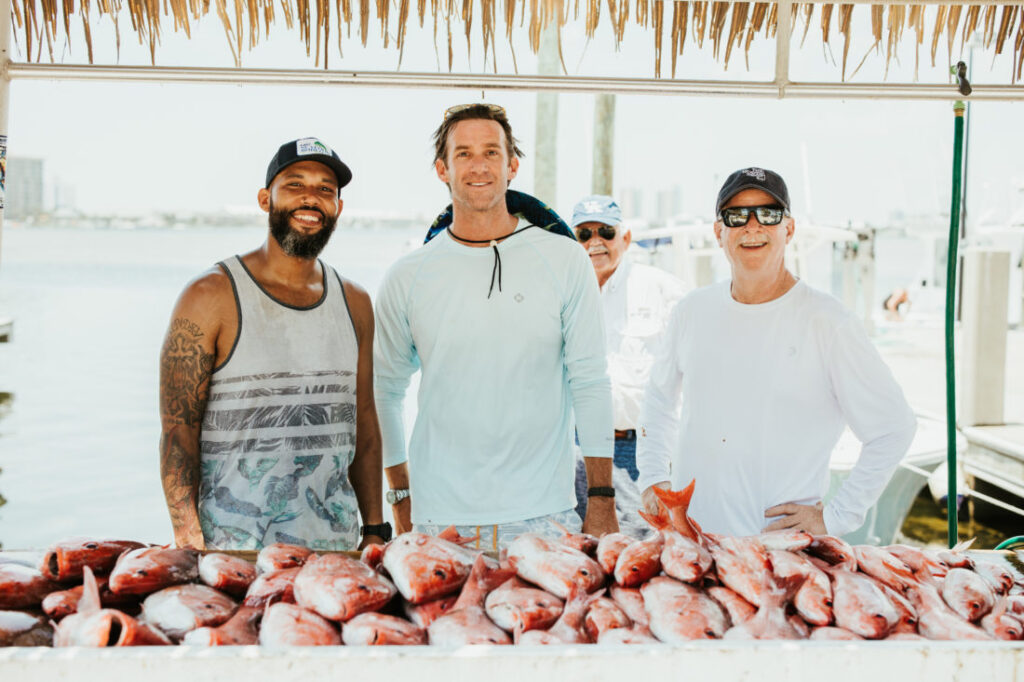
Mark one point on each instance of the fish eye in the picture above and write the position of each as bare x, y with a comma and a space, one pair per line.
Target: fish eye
439, 573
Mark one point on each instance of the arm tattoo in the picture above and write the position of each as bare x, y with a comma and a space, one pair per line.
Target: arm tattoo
179, 471
185, 370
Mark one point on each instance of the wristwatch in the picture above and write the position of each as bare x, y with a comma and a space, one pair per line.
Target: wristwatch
396, 495
381, 530
601, 491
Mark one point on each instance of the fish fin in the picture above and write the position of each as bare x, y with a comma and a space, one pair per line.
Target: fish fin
676, 498
659, 521
963, 545
90, 601
452, 535
556, 524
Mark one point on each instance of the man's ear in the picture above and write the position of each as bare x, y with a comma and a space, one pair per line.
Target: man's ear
513, 167
790, 229
718, 232
627, 237
341, 203
442, 171
263, 199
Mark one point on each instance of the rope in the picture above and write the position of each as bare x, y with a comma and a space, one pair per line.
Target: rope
493, 243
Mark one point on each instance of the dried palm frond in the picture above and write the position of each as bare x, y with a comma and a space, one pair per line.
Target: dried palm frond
940, 20
719, 13
680, 15
659, 16
739, 22
700, 21
845, 14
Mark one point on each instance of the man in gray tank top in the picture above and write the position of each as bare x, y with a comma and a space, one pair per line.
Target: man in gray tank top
266, 383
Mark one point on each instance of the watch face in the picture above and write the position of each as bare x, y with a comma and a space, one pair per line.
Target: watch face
391, 497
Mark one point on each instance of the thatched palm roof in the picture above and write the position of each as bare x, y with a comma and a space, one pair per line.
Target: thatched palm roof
725, 28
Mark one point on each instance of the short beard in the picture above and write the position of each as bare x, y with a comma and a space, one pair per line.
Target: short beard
293, 242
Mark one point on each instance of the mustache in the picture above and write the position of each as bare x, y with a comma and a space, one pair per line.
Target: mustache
309, 208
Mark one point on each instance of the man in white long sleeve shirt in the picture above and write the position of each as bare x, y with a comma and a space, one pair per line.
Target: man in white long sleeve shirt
500, 312
769, 372
636, 300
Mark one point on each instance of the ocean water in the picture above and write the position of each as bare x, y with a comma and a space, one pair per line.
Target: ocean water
79, 437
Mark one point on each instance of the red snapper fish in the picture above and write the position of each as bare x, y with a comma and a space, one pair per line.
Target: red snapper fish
242, 629
771, 621
553, 566
18, 628
631, 602
967, 593
918, 561
422, 615
860, 606
181, 608
93, 626
273, 587
339, 588
287, 625
742, 565
608, 549
680, 612
639, 562
370, 629
678, 504
66, 559
884, 566
813, 601
935, 620
584, 542
738, 609
1001, 625
998, 578
56, 605
227, 573
681, 558
516, 602
788, 540
603, 614
833, 551
280, 555
568, 629
425, 568
23, 587
905, 610
467, 622
146, 570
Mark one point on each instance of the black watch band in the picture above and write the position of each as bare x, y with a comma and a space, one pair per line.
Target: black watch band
381, 530
601, 491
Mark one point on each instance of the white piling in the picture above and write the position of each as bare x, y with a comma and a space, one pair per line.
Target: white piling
984, 326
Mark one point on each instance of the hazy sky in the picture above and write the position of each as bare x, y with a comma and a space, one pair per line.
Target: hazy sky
134, 148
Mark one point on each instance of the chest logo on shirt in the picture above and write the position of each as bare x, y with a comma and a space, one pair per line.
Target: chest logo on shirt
519, 298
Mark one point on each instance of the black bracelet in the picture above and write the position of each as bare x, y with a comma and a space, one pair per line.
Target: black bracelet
381, 530
601, 491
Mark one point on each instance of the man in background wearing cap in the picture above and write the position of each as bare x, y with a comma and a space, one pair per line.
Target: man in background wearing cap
500, 312
770, 371
636, 300
266, 396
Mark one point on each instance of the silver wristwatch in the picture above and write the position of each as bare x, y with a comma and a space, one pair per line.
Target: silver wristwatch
394, 496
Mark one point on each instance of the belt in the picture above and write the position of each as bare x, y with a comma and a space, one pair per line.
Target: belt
625, 435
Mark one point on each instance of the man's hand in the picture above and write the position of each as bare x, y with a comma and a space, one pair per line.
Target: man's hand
650, 500
402, 515
371, 540
601, 516
189, 537
807, 517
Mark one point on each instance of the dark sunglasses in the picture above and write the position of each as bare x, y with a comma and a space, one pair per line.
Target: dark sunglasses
737, 216
606, 232
493, 108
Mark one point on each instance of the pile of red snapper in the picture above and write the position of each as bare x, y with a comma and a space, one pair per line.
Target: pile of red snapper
678, 584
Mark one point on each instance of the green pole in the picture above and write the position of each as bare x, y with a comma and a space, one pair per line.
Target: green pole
954, 241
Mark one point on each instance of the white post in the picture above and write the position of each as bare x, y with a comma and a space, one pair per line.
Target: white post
866, 267
604, 145
545, 170
5, 100
984, 325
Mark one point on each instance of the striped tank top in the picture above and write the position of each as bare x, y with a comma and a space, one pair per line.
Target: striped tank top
279, 432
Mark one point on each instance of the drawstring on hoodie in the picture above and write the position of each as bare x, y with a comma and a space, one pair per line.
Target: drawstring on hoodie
496, 270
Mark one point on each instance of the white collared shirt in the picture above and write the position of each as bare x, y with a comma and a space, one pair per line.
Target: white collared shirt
637, 300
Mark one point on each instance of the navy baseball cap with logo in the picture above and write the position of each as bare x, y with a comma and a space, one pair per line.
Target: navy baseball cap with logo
753, 178
308, 149
597, 208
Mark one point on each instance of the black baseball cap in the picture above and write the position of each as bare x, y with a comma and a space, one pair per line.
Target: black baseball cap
753, 178
308, 149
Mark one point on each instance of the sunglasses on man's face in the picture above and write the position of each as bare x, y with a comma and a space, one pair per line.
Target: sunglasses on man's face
493, 108
737, 216
606, 232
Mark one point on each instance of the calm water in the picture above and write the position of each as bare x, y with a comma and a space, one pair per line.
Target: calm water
78, 445
78, 442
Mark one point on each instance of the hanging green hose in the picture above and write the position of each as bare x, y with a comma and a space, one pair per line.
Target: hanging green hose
951, 261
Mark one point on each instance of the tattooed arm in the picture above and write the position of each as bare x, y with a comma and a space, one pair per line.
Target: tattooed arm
187, 360
365, 473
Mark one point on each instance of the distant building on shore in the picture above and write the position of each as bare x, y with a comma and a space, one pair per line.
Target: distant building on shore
23, 195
